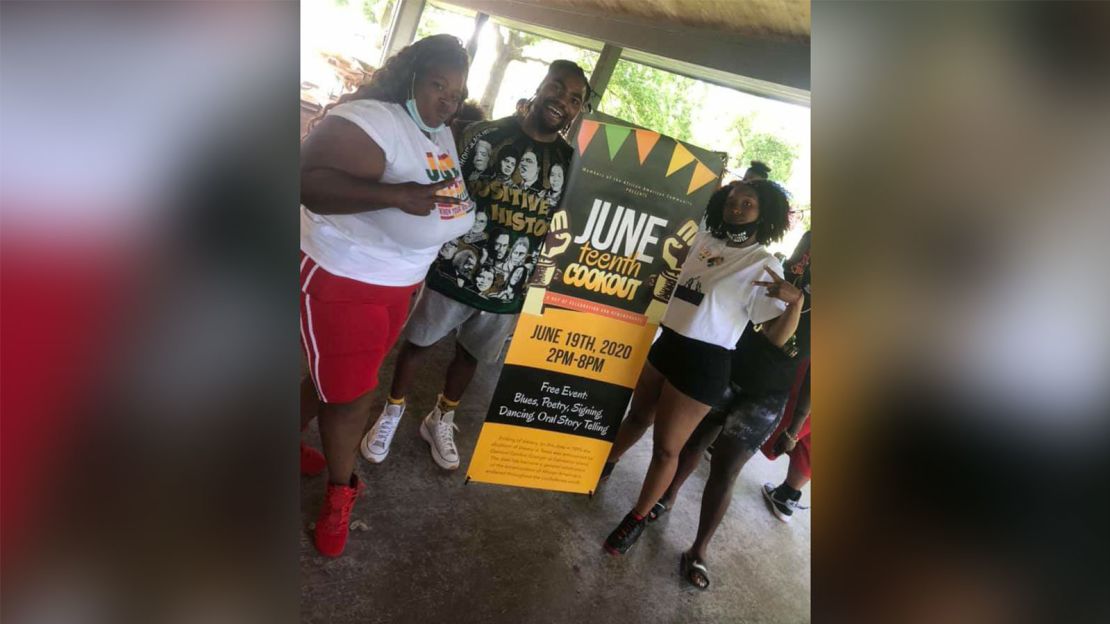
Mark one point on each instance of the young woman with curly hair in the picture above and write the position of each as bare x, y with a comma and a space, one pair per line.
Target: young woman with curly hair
381, 191
719, 292
765, 365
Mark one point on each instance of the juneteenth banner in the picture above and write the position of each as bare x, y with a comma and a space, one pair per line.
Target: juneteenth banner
605, 274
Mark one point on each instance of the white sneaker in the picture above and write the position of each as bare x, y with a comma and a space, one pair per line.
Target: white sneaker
438, 430
375, 444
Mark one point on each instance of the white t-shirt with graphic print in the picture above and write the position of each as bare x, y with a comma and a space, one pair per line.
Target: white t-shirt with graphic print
390, 247
715, 297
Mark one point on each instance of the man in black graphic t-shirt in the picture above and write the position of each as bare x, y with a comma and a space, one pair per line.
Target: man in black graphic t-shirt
514, 168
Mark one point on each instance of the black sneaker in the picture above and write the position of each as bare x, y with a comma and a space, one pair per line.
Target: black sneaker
625, 535
607, 470
782, 507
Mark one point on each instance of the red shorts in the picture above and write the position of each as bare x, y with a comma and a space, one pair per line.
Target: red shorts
799, 457
803, 435
347, 328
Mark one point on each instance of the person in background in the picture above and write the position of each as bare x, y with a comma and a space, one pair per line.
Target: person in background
482, 318
719, 292
757, 170
793, 437
522, 107
793, 434
469, 112
381, 193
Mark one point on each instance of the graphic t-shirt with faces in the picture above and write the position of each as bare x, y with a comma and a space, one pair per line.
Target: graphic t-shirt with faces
390, 247
715, 297
516, 183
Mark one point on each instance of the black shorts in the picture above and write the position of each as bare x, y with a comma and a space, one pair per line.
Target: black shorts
697, 369
748, 419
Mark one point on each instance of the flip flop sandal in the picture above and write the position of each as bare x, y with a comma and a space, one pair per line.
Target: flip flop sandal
657, 511
693, 569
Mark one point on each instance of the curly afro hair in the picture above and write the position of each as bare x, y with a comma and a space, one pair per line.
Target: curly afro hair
507, 151
774, 208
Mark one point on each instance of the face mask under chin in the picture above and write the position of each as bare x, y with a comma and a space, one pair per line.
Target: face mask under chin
414, 112
735, 232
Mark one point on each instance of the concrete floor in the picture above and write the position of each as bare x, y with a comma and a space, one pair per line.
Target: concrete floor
441, 551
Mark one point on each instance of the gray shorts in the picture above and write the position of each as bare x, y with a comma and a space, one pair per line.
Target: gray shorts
482, 334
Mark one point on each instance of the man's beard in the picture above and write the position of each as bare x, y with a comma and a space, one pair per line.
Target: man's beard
541, 121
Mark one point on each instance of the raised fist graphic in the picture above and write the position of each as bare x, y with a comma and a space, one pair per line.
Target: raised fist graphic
557, 241
675, 248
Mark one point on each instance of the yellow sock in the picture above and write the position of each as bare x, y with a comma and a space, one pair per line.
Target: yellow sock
393, 401
447, 405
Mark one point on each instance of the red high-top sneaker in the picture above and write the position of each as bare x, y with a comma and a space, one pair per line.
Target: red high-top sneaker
334, 520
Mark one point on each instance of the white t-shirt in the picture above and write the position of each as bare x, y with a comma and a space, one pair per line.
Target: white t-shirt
715, 297
390, 247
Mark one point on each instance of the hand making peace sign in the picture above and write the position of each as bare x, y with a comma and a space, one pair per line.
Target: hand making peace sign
781, 289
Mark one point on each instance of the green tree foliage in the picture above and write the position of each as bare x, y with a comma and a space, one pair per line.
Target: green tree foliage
776, 153
667, 103
651, 98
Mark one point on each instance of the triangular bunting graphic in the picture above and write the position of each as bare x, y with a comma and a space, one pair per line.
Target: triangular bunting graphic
615, 135
645, 140
702, 176
679, 159
585, 133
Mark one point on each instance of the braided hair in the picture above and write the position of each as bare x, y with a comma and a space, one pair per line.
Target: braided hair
573, 68
393, 81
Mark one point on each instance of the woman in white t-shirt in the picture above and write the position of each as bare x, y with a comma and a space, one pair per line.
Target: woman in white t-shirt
687, 371
381, 192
